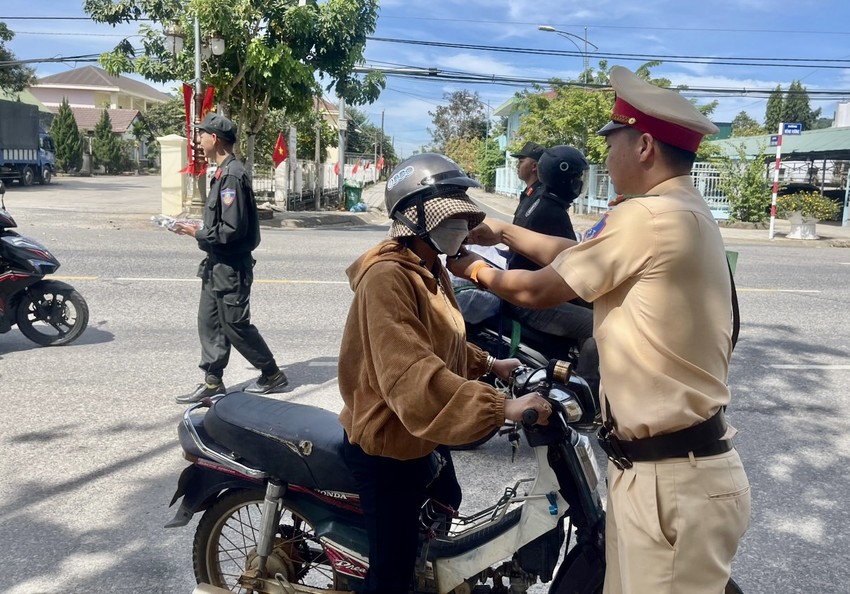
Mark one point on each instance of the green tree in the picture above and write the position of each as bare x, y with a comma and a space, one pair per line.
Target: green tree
305, 126
490, 158
464, 152
105, 146
744, 125
774, 110
745, 185
797, 109
66, 136
167, 117
277, 54
14, 77
464, 116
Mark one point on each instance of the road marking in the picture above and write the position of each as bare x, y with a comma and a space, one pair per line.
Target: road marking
749, 290
836, 367
70, 278
196, 280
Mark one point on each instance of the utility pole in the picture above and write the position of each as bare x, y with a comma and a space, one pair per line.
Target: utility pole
343, 127
382, 137
317, 194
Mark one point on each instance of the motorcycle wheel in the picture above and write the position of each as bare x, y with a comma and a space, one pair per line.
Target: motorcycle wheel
52, 314
226, 545
732, 588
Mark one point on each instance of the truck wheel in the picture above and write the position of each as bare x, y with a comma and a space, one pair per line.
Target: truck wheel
27, 176
46, 176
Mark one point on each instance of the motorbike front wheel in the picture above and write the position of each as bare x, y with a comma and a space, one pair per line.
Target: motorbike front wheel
52, 314
226, 545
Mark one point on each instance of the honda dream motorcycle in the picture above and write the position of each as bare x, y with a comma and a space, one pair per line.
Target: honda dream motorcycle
281, 514
48, 312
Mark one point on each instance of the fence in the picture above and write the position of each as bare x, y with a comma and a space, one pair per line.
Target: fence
599, 191
298, 191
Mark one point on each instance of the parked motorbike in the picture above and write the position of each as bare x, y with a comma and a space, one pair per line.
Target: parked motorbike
48, 312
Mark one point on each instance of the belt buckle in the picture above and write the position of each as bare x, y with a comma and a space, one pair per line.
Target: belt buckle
610, 444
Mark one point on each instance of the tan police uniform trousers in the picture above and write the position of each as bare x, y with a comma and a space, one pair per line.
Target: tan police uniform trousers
673, 526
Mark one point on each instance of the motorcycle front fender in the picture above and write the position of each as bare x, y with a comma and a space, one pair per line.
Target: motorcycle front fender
198, 486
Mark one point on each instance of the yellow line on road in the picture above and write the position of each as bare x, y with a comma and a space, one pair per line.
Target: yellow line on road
70, 278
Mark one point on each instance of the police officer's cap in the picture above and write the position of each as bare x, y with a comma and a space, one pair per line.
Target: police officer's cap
220, 126
663, 113
531, 150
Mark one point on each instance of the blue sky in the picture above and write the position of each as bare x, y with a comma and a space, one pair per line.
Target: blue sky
779, 30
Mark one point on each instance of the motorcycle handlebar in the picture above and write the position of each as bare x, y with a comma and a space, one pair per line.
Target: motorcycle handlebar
530, 416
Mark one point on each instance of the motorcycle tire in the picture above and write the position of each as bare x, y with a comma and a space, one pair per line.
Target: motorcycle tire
52, 314
226, 545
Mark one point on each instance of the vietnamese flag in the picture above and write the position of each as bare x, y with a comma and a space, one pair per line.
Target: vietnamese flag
366, 166
280, 151
336, 168
380, 164
356, 166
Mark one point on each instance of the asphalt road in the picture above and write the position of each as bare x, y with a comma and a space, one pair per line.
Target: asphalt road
90, 458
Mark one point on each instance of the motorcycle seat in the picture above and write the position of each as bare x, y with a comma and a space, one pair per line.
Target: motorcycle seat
296, 443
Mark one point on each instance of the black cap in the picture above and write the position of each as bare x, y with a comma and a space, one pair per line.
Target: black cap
532, 150
220, 126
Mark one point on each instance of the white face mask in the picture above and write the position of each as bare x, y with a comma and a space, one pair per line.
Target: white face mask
449, 234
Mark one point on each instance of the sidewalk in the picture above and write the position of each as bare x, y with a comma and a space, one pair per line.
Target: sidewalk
832, 234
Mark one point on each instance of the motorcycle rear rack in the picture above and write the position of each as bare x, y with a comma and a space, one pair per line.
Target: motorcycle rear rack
228, 460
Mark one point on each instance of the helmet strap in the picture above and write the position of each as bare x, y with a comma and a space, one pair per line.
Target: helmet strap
419, 226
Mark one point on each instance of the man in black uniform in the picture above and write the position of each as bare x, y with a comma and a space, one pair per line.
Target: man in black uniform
543, 208
230, 232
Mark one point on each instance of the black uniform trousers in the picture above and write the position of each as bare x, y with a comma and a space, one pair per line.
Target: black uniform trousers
224, 317
391, 495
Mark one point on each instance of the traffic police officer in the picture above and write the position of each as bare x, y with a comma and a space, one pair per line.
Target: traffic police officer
526, 170
655, 269
230, 232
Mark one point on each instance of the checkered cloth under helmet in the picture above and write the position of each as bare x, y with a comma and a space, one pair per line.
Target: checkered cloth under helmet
438, 209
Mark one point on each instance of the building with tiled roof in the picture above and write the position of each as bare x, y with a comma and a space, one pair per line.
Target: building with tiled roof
91, 86
88, 117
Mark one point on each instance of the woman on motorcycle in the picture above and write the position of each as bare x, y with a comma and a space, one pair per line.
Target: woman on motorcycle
406, 373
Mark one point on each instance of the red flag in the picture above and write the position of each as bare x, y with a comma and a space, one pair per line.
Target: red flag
206, 105
380, 164
336, 168
366, 166
280, 152
356, 165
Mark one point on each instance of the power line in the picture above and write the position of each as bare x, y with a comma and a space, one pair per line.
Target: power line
713, 60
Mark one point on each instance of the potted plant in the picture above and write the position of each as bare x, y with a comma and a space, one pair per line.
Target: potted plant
803, 210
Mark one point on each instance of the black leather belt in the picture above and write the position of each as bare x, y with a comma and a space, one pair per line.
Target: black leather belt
702, 439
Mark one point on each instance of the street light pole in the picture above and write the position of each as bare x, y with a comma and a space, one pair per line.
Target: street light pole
199, 193
569, 36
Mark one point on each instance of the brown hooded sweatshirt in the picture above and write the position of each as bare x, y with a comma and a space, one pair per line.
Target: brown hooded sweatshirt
406, 373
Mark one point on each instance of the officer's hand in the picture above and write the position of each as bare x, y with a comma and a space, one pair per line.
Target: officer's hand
515, 407
184, 229
459, 265
487, 233
504, 367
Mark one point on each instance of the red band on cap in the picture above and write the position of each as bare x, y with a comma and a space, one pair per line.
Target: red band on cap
668, 132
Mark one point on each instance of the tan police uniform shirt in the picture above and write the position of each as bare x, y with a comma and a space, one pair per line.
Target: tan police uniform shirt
655, 269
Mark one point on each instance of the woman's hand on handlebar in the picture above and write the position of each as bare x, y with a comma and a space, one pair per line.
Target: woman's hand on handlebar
514, 408
504, 367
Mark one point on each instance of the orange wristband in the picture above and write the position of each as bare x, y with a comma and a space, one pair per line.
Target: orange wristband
473, 273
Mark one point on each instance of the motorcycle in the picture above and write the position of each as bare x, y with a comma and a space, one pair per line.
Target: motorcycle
48, 312
281, 514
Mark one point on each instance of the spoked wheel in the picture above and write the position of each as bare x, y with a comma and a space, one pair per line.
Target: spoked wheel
52, 314
226, 545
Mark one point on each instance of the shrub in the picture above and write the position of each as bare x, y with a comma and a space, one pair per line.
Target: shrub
813, 205
744, 183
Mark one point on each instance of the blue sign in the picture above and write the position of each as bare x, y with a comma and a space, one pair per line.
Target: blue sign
793, 129
774, 139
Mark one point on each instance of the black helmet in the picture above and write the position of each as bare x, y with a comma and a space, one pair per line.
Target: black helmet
560, 169
419, 179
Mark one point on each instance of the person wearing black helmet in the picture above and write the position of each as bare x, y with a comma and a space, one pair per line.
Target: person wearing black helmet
560, 170
407, 375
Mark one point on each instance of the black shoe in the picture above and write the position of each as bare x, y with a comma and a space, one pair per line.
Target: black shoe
264, 385
202, 391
